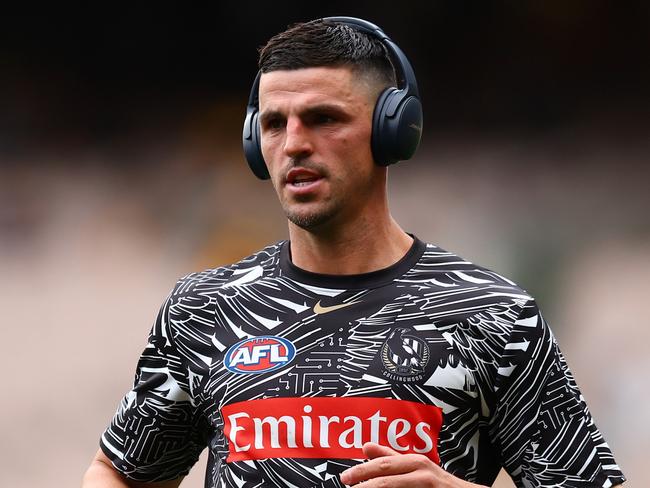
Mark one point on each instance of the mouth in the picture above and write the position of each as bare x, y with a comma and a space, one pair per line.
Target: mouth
302, 177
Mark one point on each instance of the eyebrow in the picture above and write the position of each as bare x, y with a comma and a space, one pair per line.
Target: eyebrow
311, 110
270, 115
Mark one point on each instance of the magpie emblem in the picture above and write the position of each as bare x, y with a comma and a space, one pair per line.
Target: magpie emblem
404, 355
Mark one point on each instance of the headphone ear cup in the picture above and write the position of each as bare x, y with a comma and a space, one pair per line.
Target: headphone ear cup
252, 144
397, 126
378, 141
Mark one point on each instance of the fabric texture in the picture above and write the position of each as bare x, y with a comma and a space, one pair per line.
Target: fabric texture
261, 362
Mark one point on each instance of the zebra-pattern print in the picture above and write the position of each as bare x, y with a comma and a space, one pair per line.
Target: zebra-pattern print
472, 344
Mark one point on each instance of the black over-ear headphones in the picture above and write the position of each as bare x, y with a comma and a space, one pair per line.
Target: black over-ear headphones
396, 121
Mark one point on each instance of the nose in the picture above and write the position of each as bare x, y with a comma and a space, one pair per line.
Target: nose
297, 141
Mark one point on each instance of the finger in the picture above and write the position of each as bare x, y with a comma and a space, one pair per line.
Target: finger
396, 481
373, 450
383, 466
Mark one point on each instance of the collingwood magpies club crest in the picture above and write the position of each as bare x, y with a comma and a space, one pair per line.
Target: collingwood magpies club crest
404, 356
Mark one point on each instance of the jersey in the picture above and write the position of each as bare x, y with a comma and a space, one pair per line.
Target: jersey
284, 374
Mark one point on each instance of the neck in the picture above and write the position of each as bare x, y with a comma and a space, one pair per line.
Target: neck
362, 246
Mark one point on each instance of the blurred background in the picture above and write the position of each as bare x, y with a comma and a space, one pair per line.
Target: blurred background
121, 170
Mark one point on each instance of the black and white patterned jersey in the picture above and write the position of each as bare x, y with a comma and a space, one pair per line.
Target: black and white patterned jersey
284, 374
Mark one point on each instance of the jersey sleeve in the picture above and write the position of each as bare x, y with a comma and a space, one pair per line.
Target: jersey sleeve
545, 432
157, 432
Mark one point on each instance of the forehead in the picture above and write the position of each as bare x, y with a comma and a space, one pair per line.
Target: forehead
311, 85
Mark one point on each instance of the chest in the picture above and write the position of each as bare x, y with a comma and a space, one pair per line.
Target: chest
318, 376
364, 344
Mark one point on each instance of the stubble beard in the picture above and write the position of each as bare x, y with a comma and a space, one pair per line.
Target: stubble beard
298, 213
311, 219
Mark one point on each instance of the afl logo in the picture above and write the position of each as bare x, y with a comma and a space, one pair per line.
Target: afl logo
259, 354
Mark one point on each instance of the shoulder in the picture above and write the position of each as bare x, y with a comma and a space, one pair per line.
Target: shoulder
186, 322
491, 322
455, 275
476, 309
193, 298
250, 269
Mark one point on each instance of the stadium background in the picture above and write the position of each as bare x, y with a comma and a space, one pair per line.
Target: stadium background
121, 170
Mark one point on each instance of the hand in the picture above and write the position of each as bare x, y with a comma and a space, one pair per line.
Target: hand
388, 469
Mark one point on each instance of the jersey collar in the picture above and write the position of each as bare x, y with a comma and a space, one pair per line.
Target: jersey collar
374, 279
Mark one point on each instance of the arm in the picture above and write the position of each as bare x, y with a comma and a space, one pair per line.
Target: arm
157, 432
540, 420
102, 474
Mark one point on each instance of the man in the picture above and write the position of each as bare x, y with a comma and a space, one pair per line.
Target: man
353, 340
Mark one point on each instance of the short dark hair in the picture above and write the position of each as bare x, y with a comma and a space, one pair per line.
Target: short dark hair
320, 43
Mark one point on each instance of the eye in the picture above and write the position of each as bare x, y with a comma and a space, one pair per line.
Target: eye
275, 123
323, 118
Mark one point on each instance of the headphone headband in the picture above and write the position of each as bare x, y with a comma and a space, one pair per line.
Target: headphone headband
404, 72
